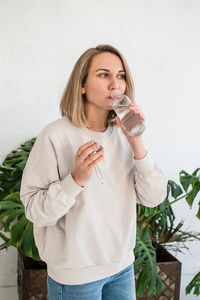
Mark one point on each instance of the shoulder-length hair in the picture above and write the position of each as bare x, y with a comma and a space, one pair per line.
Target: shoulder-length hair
73, 104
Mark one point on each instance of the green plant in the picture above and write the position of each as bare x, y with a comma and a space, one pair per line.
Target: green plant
16, 230
155, 225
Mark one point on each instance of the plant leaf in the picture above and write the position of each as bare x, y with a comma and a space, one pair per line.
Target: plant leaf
198, 213
5, 238
16, 231
195, 173
175, 189
15, 197
193, 180
185, 180
145, 264
193, 193
11, 207
28, 240
12, 215
6, 205
194, 284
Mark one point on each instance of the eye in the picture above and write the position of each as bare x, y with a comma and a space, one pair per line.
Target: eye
122, 76
103, 75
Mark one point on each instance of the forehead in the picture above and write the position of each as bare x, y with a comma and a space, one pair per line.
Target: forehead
106, 60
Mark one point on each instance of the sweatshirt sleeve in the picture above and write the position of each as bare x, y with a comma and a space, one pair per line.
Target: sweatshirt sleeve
150, 182
46, 198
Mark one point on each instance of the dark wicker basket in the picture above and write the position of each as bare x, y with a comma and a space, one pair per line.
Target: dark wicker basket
32, 277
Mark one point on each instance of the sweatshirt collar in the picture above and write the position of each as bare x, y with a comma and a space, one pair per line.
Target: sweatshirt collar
98, 137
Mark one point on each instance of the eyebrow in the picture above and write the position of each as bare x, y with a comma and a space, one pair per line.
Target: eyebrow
107, 70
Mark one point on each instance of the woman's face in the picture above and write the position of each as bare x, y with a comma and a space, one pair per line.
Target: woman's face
105, 75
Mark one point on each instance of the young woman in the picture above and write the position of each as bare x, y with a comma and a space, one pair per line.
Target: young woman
82, 201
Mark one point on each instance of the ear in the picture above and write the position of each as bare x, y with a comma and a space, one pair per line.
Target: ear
83, 90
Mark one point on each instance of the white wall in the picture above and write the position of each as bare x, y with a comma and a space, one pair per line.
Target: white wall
39, 44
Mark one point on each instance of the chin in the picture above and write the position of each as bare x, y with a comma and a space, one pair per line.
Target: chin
109, 107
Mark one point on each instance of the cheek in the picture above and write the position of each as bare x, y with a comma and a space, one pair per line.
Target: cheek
89, 88
123, 87
95, 89
91, 93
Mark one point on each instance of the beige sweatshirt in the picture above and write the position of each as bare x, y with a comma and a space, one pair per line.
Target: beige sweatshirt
86, 234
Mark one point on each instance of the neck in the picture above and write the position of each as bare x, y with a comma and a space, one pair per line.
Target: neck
97, 122
96, 126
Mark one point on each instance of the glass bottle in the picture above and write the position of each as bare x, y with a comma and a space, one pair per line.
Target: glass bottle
133, 124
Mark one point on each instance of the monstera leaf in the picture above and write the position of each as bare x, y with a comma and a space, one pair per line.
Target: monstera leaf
194, 284
148, 279
16, 230
13, 221
12, 168
193, 181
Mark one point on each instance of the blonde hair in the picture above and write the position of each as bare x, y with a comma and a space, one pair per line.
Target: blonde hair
73, 104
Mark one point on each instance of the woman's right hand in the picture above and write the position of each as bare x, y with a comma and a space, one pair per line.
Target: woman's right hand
86, 160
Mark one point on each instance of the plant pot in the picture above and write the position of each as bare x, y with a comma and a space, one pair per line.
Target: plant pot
32, 277
169, 269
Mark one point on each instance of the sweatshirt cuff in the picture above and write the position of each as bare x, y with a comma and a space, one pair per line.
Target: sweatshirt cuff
70, 187
145, 164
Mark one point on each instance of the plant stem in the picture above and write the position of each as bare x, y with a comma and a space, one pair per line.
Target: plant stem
189, 234
159, 211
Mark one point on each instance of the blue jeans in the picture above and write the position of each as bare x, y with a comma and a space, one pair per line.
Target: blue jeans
120, 286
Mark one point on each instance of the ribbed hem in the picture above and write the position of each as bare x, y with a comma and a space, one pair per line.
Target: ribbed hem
89, 274
145, 164
70, 187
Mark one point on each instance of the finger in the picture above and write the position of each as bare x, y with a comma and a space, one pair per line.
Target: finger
87, 152
142, 116
95, 162
96, 150
84, 147
135, 106
137, 110
93, 157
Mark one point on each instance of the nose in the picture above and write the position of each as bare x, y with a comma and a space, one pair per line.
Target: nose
114, 84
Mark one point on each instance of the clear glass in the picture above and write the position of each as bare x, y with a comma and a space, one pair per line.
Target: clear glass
133, 124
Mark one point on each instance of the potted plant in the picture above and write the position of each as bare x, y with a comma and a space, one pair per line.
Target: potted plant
16, 230
156, 234
155, 228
